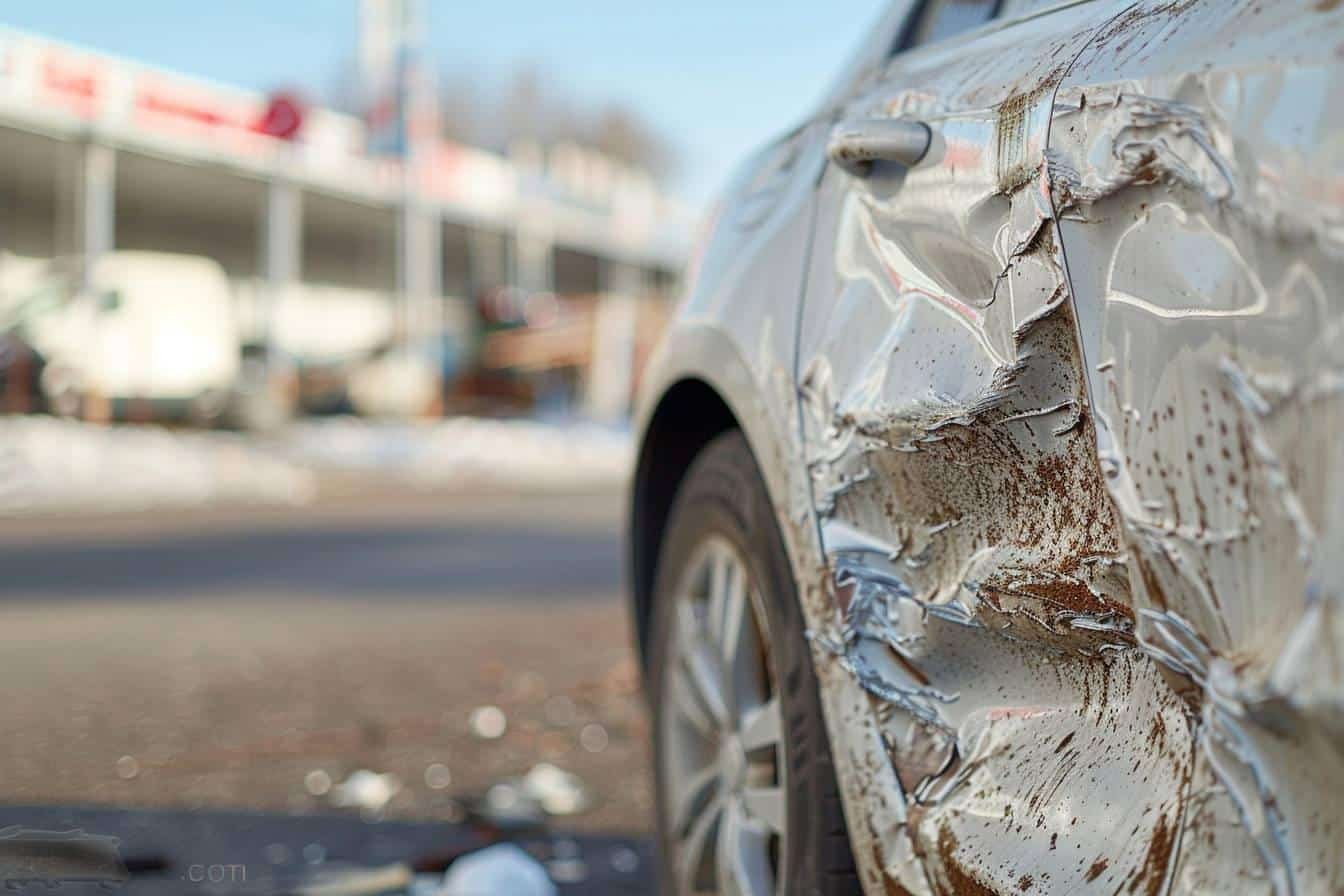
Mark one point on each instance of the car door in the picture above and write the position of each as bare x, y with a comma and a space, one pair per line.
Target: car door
1197, 164
980, 594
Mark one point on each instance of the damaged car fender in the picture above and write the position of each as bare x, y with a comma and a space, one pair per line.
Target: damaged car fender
1049, 404
979, 566
1197, 165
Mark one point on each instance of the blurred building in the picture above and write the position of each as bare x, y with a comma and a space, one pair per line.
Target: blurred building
335, 256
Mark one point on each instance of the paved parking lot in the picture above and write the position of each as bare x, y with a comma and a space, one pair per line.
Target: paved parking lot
254, 659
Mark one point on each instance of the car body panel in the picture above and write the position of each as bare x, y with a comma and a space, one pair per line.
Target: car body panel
735, 329
979, 596
736, 325
1048, 661
1197, 162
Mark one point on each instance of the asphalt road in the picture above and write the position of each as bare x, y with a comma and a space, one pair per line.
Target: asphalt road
252, 660
379, 544
222, 853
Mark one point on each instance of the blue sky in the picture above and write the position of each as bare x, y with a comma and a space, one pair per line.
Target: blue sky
716, 76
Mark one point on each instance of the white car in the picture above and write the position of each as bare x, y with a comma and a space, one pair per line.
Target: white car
148, 327
988, 526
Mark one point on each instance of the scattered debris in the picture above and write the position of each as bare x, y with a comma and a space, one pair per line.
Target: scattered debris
317, 782
594, 738
437, 776
507, 806
497, 870
625, 860
488, 722
367, 791
557, 791
331, 854
524, 802
359, 882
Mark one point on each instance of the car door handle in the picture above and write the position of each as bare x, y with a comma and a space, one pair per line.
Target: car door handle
856, 145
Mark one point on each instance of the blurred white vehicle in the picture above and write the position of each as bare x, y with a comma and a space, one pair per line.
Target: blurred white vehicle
328, 325
147, 327
19, 273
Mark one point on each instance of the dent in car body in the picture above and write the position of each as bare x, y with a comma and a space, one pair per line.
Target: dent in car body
736, 330
980, 593
1197, 162
1036, 621
1057, 653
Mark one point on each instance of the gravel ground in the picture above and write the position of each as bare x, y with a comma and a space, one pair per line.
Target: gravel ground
255, 659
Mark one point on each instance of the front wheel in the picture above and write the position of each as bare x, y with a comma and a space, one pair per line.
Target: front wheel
747, 799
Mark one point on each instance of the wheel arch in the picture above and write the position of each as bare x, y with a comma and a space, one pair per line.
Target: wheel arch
687, 417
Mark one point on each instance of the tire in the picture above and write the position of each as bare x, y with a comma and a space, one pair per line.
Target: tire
723, 497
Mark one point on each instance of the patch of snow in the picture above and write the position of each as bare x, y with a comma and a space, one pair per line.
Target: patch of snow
52, 465
469, 451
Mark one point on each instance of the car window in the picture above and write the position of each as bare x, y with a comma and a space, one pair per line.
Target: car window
942, 19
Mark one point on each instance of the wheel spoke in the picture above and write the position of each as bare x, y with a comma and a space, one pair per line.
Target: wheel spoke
728, 611
721, 569
697, 858
743, 857
722, 766
689, 705
696, 793
704, 672
765, 804
762, 727
733, 629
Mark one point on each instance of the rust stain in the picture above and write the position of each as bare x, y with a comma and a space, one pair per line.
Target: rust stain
890, 886
959, 881
1152, 874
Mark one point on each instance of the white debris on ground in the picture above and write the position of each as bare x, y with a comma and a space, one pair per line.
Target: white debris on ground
497, 870
469, 451
488, 722
48, 465
557, 791
367, 791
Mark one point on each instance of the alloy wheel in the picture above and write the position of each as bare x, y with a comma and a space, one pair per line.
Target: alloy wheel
722, 758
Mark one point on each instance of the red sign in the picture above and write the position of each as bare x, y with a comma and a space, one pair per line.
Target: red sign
283, 117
